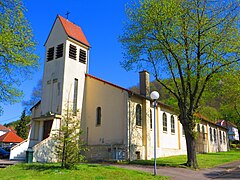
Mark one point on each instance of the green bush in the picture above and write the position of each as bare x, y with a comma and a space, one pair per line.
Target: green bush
233, 145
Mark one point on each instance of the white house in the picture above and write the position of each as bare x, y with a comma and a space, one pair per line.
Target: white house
117, 122
233, 133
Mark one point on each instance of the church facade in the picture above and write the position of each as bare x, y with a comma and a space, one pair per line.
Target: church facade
117, 123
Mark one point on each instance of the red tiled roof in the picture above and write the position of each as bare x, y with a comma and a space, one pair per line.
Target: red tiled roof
3, 128
73, 31
10, 137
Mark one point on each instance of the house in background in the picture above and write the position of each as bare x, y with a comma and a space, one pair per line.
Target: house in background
117, 123
233, 133
10, 139
3, 130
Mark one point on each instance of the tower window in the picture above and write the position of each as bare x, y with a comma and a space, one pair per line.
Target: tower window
82, 56
59, 52
164, 122
211, 138
203, 132
72, 52
99, 116
50, 54
75, 97
138, 115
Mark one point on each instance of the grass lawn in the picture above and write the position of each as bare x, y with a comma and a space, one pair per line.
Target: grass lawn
83, 171
204, 160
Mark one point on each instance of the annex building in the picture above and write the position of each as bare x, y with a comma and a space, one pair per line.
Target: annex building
117, 123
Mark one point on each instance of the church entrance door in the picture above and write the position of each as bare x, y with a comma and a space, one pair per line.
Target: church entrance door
47, 126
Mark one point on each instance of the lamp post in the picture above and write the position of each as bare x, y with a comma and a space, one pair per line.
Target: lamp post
154, 96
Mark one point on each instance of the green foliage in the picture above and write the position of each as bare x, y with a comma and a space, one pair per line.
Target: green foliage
190, 41
17, 57
70, 145
21, 126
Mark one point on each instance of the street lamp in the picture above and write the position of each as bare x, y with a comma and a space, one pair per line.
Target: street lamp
154, 96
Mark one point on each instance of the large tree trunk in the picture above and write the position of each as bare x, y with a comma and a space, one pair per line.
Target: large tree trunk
191, 150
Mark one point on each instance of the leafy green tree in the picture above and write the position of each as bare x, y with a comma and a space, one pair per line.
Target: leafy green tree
69, 144
17, 57
189, 41
21, 126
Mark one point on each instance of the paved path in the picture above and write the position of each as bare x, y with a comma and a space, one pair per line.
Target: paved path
227, 171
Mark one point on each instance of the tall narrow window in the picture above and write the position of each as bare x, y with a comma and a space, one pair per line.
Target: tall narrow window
214, 135
164, 122
224, 138
210, 130
172, 124
75, 97
220, 136
98, 116
59, 52
50, 54
138, 115
203, 132
72, 52
198, 128
150, 118
82, 56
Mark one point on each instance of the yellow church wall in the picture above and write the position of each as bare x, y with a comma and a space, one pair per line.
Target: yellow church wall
113, 103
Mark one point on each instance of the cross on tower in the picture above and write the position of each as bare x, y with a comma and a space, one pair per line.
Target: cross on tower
67, 14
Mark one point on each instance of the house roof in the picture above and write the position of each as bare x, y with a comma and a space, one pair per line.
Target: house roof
3, 128
73, 31
10, 137
225, 123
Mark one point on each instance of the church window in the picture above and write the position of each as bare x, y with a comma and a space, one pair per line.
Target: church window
150, 118
59, 52
220, 136
75, 93
210, 130
72, 52
138, 115
224, 138
198, 127
50, 54
203, 132
82, 56
214, 135
164, 122
98, 116
172, 124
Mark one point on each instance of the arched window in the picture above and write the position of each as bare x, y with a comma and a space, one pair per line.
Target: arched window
150, 118
164, 122
172, 124
203, 132
98, 116
220, 136
214, 135
198, 127
210, 131
138, 115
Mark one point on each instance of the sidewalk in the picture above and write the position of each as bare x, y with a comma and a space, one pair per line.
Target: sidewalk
227, 171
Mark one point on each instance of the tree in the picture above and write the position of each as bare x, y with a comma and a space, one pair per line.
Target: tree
35, 97
21, 126
69, 144
17, 58
190, 41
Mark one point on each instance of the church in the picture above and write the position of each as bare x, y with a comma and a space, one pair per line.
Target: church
117, 123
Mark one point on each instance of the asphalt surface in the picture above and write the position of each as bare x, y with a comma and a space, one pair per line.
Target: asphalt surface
229, 171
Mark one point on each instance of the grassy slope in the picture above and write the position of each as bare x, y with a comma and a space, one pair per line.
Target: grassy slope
204, 160
85, 171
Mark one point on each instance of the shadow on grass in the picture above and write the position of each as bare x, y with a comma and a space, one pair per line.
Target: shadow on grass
165, 164
41, 167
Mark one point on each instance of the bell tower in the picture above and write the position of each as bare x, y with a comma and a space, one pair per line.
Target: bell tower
65, 66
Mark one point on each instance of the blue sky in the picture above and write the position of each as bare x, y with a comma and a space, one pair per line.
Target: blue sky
102, 23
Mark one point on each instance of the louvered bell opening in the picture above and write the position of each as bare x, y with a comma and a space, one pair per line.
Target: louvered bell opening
82, 56
50, 54
72, 52
59, 51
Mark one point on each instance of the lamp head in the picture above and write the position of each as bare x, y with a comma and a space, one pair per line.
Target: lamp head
154, 95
